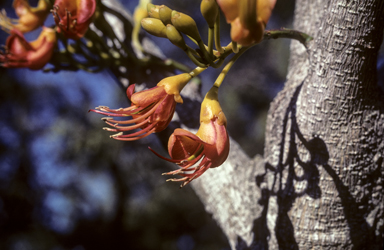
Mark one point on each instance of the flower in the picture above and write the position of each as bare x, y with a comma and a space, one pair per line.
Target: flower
34, 55
248, 18
151, 110
29, 18
210, 145
73, 16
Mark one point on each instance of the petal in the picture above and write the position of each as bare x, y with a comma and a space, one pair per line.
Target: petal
17, 44
264, 9
149, 96
183, 144
230, 8
130, 90
85, 10
219, 153
163, 124
42, 54
207, 132
33, 55
165, 110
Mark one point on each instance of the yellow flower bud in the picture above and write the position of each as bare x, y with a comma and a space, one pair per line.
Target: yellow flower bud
186, 25
165, 14
154, 27
175, 37
209, 9
153, 10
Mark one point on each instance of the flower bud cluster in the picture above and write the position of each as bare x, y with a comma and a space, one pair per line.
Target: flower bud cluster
167, 23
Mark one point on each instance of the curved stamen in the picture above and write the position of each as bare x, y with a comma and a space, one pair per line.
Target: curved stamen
135, 138
203, 168
108, 113
68, 18
181, 161
194, 155
135, 120
188, 181
192, 162
116, 112
188, 167
131, 109
121, 128
178, 171
138, 133
162, 157
180, 179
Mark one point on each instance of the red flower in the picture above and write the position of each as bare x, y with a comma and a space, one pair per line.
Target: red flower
73, 16
33, 55
29, 18
151, 110
210, 145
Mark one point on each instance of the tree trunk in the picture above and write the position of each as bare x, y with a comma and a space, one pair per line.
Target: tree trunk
320, 182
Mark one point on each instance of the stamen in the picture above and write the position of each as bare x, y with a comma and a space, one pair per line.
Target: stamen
68, 17
194, 155
136, 120
139, 132
128, 128
5, 22
115, 135
128, 111
55, 14
136, 138
105, 118
180, 171
182, 161
180, 179
188, 181
105, 111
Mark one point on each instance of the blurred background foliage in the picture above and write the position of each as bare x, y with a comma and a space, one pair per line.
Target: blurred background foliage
65, 185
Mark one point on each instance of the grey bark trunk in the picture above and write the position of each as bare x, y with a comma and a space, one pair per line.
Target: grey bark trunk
320, 182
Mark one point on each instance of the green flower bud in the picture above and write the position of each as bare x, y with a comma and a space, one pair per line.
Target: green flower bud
154, 27
185, 24
209, 9
165, 14
175, 37
153, 10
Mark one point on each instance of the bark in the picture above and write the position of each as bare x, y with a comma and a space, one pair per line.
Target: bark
319, 184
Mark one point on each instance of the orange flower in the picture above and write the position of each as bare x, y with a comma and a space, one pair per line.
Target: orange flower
29, 18
73, 16
248, 18
210, 145
33, 55
151, 110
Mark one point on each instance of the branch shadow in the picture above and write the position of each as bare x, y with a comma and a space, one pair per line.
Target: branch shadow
283, 189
